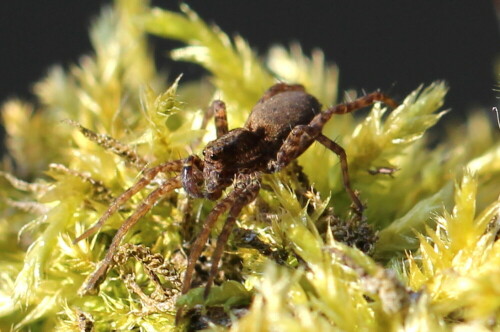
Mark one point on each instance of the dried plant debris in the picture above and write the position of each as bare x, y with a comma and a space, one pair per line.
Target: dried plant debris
109, 143
85, 322
156, 269
424, 256
354, 232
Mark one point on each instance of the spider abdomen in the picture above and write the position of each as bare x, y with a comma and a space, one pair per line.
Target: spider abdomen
274, 118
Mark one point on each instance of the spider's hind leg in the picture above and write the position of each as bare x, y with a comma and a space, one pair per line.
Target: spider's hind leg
279, 88
340, 152
319, 121
302, 136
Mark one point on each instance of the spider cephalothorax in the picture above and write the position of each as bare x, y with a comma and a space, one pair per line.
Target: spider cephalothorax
283, 124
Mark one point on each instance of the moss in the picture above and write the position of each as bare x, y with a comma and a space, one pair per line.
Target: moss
429, 255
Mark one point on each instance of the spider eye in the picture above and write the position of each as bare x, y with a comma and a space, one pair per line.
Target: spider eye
210, 155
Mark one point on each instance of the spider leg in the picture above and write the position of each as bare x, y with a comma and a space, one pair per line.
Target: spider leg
339, 151
218, 109
191, 176
148, 176
322, 118
302, 136
197, 248
93, 281
245, 197
279, 88
297, 141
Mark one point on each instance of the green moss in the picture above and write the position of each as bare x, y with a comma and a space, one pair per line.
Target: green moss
435, 263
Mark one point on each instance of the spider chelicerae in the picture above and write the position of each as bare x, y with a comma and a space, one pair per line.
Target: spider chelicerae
282, 125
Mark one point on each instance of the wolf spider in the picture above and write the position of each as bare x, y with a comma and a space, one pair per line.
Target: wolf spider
283, 124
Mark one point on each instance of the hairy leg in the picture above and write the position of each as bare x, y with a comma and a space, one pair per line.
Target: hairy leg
302, 136
279, 88
245, 197
202, 238
297, 141
218, 109
192, 176
147, 177
339, 151
230, 201
322, 118
94, 280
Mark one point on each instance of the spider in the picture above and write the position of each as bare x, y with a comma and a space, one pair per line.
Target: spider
282, 125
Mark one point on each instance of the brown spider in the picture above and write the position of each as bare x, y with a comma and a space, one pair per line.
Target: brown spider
283, 124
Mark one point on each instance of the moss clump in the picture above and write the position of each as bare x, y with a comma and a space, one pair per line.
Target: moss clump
429, 257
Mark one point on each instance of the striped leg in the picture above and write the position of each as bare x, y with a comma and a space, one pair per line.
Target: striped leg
302, 136
202, 238
236, 200
245, 197
339, 151
322, 118
92, 283
279, 88
148, 176
218, 109
297, 141
191, 176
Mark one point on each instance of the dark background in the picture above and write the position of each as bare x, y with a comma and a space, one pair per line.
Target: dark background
389, 45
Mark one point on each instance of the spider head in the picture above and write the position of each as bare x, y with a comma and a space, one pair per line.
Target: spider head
239, 151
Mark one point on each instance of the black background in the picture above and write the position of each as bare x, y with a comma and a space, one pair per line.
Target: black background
389, 45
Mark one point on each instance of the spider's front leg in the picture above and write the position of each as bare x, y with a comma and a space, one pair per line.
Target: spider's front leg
218, 109
147, 176
192, 176
245, 191
93, 281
